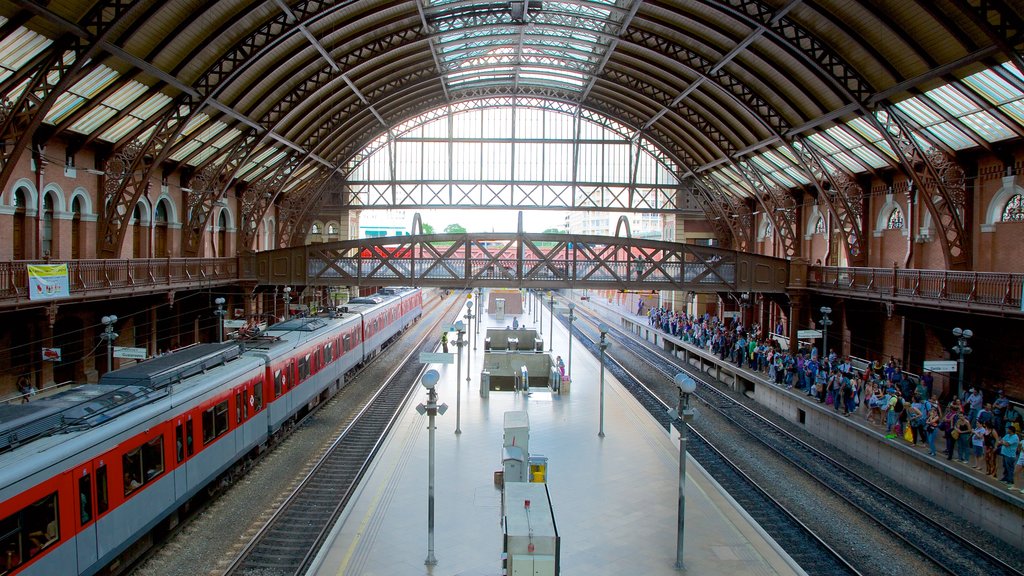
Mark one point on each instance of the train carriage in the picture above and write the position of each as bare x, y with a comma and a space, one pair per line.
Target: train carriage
86, 473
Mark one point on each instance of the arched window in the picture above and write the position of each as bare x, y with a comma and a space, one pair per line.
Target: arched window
76, 228
47, 218
895, 221
1014, 209
332, 229
819, 226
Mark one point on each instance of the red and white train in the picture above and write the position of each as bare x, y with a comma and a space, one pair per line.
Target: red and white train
85, 474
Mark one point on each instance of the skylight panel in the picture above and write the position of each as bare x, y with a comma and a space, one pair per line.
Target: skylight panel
993, 87
951, 135
147, 109
123, 97
1015, 110
952, 100
987, 126
870, 157
920, 113
18, 48
82, 91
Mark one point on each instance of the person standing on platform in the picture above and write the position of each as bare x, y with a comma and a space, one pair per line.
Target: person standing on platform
974, 403
515, 323
1008, 450
640, 308
444, 341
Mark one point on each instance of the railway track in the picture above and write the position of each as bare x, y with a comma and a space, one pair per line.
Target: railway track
289, 540
948, 551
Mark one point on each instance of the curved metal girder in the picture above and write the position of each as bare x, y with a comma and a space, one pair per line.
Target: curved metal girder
296, 206
778, 205
938, 176
258, 197
842, 196
129, 170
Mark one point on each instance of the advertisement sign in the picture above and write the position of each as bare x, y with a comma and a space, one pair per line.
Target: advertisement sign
47, 281
51, 355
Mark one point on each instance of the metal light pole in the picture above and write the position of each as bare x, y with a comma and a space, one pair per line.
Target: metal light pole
825, 323
961, 348
686, 386
109, 335
431, 409
538, 307
479, 314
287, 301
568, 372
220, 312
551, 339
469, 322
603, 345
459, 343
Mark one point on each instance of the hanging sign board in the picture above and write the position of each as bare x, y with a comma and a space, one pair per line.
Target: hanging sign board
130, 353
940, 365
808, 334
48, 281
51, 354
437, 358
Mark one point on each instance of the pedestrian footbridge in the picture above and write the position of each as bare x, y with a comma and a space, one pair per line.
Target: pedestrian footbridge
545, 261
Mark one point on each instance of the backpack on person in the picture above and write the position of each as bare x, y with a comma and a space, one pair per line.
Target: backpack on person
899, 404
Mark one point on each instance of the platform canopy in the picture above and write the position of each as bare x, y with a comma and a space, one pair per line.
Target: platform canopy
748, 99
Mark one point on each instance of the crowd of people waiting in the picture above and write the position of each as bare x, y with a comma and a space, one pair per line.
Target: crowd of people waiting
975, 431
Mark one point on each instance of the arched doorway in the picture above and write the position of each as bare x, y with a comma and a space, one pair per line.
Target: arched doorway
47, 221
76, 228
19, 224
160, 233
222, 234
137, 232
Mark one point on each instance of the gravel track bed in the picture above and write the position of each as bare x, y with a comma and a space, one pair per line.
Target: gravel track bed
216, 535
869, 547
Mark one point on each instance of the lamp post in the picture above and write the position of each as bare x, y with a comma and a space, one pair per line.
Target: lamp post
479, 314
602, 345
551, 335
109, 336
469, 322
686, 386
825, 323
961, 348
287, 301
459, 343
568, 372
220, 312
538, 307
431, 409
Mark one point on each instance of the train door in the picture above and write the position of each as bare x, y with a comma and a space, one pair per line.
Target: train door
182, 448
85, 488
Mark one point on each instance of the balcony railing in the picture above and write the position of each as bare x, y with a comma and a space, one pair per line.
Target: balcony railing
94, 278
991, 290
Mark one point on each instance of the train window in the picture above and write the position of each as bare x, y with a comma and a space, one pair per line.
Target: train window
257, 392
29, 531
304, 368
143, 464
188, 436
238, 407
215, 422
102, 502
347, 343
278, 382
244, 399
179, 442
328, 353
85, 499
375, 325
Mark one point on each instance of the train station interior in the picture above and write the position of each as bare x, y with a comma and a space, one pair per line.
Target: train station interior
843, 176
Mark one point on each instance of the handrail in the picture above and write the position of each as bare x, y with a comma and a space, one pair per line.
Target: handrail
1000, 290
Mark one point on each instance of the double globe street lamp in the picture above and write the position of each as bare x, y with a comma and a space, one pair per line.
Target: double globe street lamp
686, 386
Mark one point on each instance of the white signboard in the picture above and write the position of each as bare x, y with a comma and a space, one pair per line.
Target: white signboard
808, 334
130, 353
51, 354
235, 323
437, 358
940, 365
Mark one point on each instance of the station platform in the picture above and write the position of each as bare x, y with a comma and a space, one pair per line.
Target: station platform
613, 498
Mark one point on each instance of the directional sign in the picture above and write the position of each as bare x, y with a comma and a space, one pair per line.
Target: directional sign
808, 334
235, 323
437, 358
940, 365
132, 353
